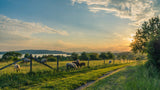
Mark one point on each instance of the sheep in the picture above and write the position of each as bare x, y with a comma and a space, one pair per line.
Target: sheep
26, 60
82, 64
71, 65
110, 61
44, 60
17, 67
77, 62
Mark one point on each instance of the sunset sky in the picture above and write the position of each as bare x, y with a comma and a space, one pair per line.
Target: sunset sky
72, 25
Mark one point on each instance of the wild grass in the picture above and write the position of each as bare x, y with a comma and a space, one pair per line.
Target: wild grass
133, 78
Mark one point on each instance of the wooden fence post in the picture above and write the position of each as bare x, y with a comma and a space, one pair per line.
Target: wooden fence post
57, 63
88, 62
31, 63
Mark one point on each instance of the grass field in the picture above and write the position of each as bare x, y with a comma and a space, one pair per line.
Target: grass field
45, 78
132, 78
25, 68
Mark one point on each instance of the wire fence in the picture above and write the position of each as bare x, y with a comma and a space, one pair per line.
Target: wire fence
35, 66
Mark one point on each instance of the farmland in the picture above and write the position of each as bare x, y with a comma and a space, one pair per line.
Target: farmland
43, 77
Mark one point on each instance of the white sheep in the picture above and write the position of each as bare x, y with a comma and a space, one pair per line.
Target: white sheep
17, 67
44, 60
26, 60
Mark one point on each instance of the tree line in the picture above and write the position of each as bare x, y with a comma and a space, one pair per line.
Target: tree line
13, 56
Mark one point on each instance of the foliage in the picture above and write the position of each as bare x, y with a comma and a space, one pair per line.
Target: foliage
147, 32
52, 59
124, 57
110, 55
84, 56
93, 56
11, 56
26, 55
103, 56
74, 56
154, 53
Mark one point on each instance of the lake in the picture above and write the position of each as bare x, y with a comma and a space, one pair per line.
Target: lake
41, 55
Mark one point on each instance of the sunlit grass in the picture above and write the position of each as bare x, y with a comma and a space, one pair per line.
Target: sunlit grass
25, 68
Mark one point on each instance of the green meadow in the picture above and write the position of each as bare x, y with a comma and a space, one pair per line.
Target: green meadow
45, 78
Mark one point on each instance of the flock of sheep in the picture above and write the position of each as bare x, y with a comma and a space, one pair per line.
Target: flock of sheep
74, 64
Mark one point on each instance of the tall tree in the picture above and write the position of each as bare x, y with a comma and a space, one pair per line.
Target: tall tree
149, 30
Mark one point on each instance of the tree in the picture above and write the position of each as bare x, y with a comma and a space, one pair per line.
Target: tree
147, 40
119, 57
124, 57
26, 55
149, 30
93, 56
103, 56
11, 56
84, 56
74, 56
111, 56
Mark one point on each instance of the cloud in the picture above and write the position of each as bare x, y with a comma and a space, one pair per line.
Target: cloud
15, 26
136, 10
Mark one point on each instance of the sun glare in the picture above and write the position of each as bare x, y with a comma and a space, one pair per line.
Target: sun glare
131, 37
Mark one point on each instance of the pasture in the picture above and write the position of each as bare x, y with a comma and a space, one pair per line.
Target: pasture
37, 67
45, 78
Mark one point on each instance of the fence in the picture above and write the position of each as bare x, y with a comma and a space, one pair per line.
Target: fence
35, 65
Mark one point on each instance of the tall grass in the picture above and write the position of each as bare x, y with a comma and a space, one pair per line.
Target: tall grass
144, 78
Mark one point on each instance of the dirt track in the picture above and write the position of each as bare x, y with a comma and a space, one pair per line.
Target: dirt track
102, 77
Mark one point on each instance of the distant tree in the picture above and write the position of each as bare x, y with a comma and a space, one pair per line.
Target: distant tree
52, 59
84, 56
11, 56
93, 56
103, 56
26, 55
119, 57
124, 57
74, 56
110, 55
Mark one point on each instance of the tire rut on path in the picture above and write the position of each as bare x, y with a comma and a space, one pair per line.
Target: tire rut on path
100, 78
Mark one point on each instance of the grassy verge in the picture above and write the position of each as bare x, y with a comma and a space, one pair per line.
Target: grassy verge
132, 78
54, 80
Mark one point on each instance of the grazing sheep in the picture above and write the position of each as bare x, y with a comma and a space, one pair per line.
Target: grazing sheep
110, 61
77, 62
26, 60
71, 65
44, 60
82, 64
17, 67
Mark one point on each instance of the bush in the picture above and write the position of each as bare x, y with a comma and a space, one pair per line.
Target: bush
52, 59
154, 53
